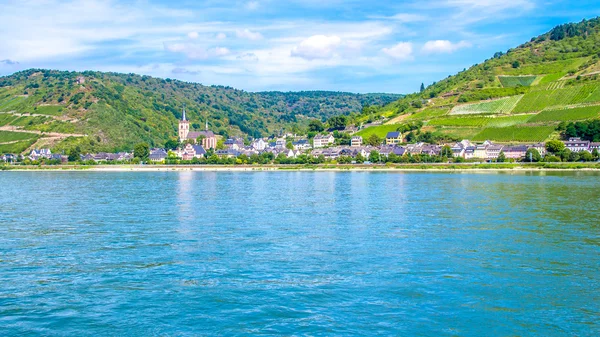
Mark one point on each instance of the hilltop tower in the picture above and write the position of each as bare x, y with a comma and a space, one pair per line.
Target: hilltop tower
184, 127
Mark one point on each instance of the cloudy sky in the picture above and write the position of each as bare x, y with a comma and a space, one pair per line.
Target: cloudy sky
345, 45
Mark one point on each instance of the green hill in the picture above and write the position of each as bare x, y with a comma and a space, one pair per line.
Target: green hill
109, 111
519, 96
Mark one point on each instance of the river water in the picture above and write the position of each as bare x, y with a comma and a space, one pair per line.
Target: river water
299, 253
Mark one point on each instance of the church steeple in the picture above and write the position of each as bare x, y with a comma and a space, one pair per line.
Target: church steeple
184, 127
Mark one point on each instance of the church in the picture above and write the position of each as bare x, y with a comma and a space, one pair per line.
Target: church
208, 138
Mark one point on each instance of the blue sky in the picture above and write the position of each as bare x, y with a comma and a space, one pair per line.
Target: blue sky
255, 45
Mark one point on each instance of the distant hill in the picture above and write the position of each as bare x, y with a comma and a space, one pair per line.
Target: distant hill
110, 111
522, 95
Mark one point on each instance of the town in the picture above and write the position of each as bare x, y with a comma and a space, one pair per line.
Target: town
204, 147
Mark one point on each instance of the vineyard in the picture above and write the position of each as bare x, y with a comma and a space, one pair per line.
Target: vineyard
460, 121
580, 113
379, 130
481, 121
515, 81
515, 134
539, 100
429, 113
504, 121
498, 106
17, 147
8, 136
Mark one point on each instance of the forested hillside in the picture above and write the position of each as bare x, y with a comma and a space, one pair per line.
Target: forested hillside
109, 111
530, 93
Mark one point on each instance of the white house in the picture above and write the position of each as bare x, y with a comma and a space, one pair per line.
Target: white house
322, 141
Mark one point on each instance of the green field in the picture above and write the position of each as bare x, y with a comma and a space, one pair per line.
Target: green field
504, 121
10, 103
462, 133
580, 113
6, 118
481, 121
52, 110
29, 120
460, 121
429, 113
539, 100
594, 96
380, 130
498, 106
545, 67
17, 147
515, 134
9, 136
515, 81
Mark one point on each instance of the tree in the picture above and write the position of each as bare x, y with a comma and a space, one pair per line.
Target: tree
532, 155
501, 157
446, 151
337, 122
141, 151
586, 156
171, 144
289, 145
595, 154
374, 140
374, 156
516, 64
555, 146
422, 87
74, 153
315, 125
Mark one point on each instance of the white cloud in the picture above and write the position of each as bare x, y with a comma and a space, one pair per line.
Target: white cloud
443, 46
196, 52
317, 47
401, 51
193, 35
221, 36
248, 34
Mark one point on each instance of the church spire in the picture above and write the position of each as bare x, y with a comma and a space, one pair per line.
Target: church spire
183, 118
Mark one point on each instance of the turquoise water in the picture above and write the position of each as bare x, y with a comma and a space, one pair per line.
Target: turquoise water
299, 253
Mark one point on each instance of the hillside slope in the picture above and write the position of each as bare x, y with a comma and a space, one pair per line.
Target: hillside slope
109, 111
519, 96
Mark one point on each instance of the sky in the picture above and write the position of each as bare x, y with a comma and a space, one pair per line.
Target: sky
258, 45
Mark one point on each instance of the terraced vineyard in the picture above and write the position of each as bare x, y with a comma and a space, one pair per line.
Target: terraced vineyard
9, 136
572, 114
515, 134
498, 106
379, 130
481, 121
515, 81
539, 100
460, 121
429, 113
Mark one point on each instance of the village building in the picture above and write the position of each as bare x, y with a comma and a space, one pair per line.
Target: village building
393, 138
515, 152
492, 152
575, 144
234, 143
356, 141
259, 144
157, 155
207, 138
323, 140
280, 143
301, 145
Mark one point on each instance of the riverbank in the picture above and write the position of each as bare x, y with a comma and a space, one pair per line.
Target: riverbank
324, 167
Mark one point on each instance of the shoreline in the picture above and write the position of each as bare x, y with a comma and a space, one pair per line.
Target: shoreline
519, 167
